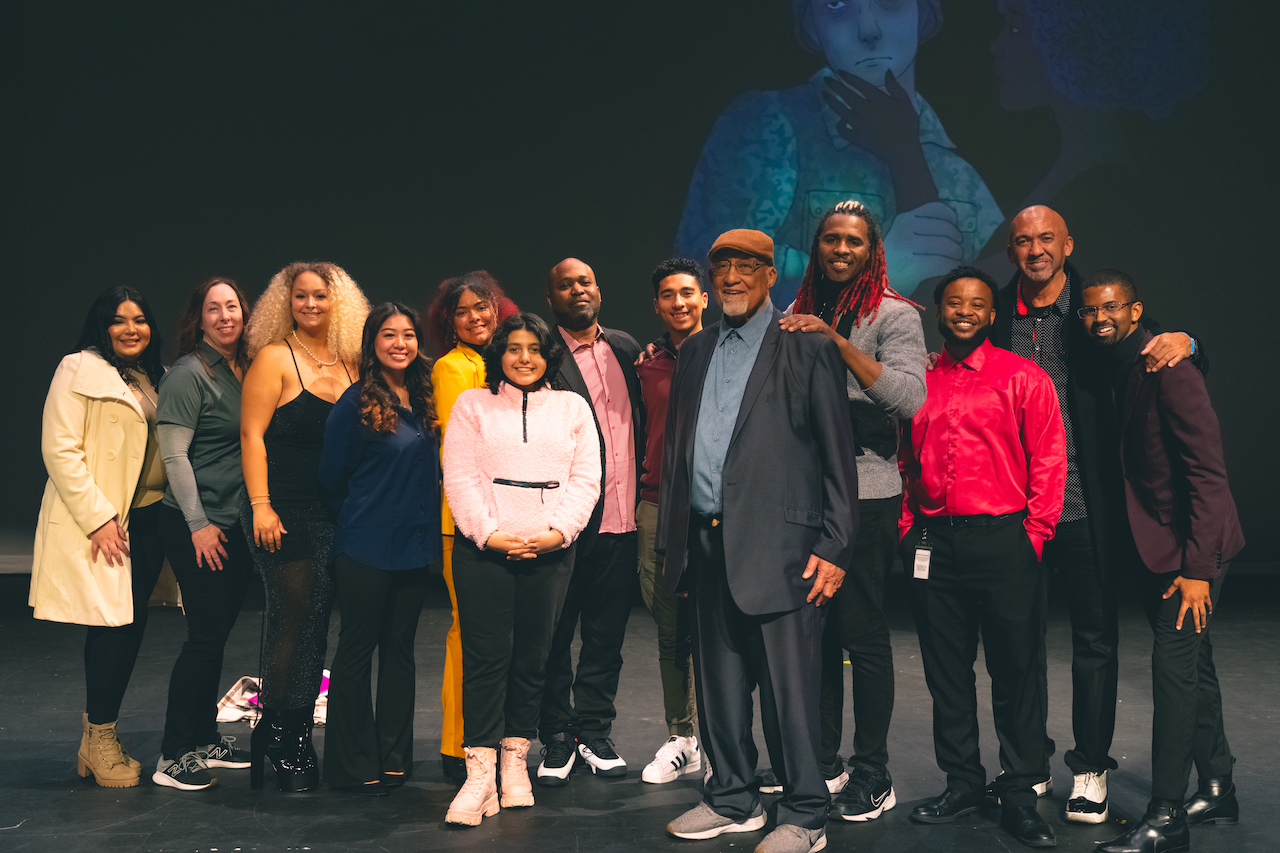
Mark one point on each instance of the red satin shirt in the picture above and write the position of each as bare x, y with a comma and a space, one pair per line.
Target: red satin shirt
988, 441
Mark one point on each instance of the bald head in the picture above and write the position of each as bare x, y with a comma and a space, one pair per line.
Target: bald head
1039, 245
573, 294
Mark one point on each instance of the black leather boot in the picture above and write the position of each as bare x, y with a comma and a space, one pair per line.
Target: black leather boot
1214, 802
284, 739
1163, 829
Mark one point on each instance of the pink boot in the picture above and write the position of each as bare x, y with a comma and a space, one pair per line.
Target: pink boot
516, 790
478, 798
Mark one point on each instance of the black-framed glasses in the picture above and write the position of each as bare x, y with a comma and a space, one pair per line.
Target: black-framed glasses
1110, 309
743, 267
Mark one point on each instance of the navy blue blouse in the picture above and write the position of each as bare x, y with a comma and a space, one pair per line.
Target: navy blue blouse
385, 488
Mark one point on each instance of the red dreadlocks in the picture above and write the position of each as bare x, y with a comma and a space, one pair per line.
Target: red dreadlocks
862, 295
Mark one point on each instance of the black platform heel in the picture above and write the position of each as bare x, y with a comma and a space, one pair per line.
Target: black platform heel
258, 748
284, 739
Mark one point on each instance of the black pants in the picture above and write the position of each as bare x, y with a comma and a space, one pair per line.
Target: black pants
110, 653
1184, 687
1091, 597
781, 652
982, 578
600, 593
507, 611
212, 601
379, 609
858, 626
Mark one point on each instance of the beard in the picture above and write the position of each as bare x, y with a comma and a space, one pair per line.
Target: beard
578, 317
951, 337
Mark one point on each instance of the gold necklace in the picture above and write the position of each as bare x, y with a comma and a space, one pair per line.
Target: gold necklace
313, 355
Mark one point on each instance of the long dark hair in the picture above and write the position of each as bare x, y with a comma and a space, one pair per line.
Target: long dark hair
440, 311
191, 325
377, 402
551, 348
102, 314
862, 296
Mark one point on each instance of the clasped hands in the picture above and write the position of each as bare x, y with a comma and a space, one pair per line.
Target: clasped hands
522, 547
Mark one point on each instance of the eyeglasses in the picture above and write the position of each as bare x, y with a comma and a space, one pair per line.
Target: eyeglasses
743, 267
1110, 309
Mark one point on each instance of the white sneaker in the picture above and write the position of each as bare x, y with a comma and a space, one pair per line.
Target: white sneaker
675, 758
1088, 801
600, 756
837, 784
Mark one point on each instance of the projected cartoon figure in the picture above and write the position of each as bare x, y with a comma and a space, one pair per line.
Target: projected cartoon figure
857, 129
1088, 62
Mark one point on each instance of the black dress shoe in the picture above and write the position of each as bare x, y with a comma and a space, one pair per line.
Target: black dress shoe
394, 779
1162, 830
376, 788
951, 805
454, 769
1214, 802
1025, 824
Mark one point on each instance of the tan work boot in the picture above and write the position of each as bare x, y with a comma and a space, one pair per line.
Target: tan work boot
84, 744
101, 754
517, 791
478, 798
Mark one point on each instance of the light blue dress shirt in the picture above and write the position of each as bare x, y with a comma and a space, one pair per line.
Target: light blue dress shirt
722, 390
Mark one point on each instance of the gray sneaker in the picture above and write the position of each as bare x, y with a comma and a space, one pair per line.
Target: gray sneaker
788, 838
224, 754
701, 822
188, 773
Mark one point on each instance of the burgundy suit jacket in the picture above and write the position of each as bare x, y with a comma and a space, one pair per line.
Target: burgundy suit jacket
1180, 508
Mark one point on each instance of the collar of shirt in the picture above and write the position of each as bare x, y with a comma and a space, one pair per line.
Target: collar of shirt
974, 362
1061, 305
930, 127
573, 344
211, 355
752, 331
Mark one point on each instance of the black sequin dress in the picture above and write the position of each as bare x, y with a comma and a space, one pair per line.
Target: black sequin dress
296, 579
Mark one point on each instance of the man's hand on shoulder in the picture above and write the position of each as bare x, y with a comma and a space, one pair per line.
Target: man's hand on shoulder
808, 323
827, 578
1168, 349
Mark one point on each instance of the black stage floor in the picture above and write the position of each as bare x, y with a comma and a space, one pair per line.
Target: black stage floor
44, 806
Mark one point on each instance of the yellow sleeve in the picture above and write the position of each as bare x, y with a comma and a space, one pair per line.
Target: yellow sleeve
448, 380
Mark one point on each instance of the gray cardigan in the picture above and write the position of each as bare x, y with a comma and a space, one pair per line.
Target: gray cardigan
895, 338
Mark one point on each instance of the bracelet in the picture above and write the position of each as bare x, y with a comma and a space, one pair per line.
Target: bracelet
255, 503
251, 497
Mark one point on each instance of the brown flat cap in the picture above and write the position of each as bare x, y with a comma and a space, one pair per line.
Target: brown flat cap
751, 242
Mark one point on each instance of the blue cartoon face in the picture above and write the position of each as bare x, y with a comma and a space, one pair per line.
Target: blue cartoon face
867, 37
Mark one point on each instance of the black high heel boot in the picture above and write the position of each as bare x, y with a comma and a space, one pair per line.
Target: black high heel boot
292, 755
258, 741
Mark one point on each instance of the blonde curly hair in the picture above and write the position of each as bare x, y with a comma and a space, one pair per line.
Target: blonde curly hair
272, 318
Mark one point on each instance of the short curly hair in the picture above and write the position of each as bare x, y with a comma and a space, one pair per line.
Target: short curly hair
553, 350
440, 312
802, 22
272, 318
1147, 55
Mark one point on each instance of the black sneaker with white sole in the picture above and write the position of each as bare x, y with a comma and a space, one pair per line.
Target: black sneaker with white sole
225, 753
187, 773
557, 762
868, 795
601, 757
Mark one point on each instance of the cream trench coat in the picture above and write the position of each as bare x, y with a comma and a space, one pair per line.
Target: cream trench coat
93, 439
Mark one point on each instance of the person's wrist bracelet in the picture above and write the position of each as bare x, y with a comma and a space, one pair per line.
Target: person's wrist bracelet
266, 500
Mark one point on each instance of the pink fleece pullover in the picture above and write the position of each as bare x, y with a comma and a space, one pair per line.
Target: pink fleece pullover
496, 436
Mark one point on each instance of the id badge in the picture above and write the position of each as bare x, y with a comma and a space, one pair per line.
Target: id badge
923, 552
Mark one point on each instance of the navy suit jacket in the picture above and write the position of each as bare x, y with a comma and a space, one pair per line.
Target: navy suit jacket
569, 378
790, 479
1179, 504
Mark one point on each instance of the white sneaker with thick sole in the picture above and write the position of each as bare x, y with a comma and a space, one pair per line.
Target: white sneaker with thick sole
1088, 801
837, 784
675, 758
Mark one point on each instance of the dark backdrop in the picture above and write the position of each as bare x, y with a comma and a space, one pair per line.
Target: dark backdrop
409, 142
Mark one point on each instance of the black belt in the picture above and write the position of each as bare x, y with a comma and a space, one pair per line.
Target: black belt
525, 484
967, 520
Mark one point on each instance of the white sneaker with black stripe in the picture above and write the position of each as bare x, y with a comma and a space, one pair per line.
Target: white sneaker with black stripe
187, 773
675, 758
601, 757
1088, 801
